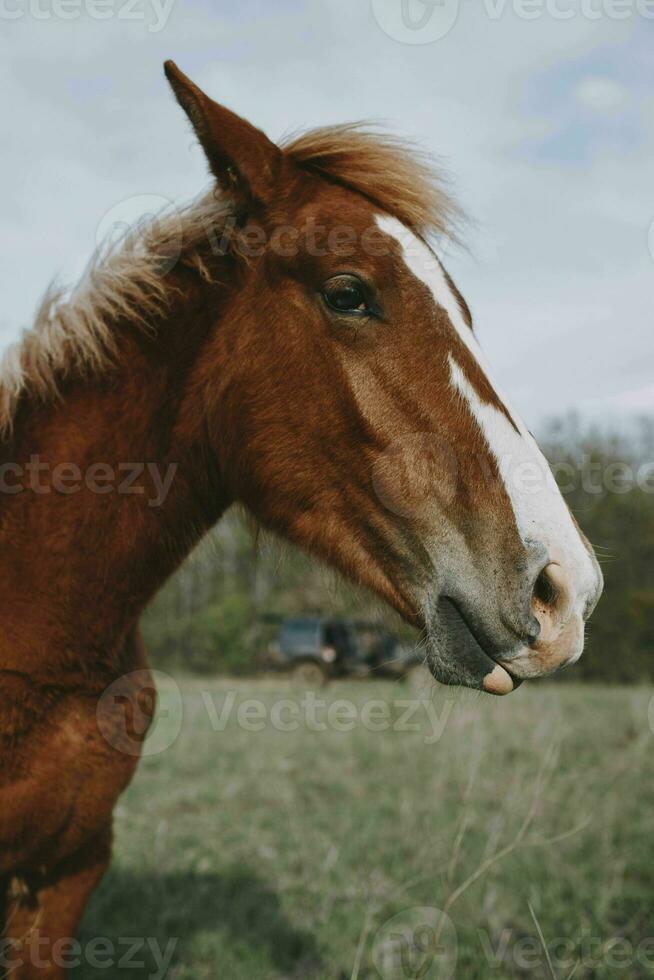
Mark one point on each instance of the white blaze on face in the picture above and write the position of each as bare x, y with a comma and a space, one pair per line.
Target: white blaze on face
541, 514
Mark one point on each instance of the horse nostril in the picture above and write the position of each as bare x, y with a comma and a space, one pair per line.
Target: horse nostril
545, 591
551, 598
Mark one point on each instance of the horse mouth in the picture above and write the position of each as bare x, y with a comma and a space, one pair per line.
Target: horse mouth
457, 656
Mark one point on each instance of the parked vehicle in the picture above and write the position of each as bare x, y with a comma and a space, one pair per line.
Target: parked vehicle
316, 648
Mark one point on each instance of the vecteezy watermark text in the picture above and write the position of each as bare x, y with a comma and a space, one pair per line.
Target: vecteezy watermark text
133, 220
42, 477
585, 953
128, 721
100, 953
321, 715
155, 13
428, 21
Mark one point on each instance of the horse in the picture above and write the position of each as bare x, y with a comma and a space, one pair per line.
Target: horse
290, 342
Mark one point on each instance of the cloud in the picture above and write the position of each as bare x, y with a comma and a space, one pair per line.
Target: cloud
601, 94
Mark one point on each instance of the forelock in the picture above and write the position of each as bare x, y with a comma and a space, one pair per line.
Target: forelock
395, 176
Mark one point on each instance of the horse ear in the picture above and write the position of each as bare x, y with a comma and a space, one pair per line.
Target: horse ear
240, 156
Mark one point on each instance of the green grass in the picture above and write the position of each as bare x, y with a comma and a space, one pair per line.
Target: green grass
279, 854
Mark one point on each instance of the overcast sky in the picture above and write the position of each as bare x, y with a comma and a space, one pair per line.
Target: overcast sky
546, 122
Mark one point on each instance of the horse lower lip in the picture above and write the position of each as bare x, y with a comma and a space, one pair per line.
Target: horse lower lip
499, 681
463, 659
506, 667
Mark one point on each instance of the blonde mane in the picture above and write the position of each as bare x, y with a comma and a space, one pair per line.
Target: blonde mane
74, 332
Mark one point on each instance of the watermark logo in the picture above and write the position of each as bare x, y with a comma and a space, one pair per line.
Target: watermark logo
427, 21
130, 720
419, 943
416, 21
414, 471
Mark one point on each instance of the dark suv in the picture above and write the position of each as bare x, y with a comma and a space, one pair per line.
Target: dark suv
316, 648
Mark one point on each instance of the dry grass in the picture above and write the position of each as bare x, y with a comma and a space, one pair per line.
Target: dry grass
280, 854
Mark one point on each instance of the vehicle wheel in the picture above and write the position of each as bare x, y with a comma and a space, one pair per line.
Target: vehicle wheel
309, 675
420, 680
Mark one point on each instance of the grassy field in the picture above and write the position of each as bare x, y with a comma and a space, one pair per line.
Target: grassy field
273, 839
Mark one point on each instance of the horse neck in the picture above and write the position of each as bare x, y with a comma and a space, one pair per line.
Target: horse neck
82, 560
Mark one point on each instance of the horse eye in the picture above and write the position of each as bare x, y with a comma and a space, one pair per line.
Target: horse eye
346, 294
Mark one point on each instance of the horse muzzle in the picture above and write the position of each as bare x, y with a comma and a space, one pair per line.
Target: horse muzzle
492, 650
